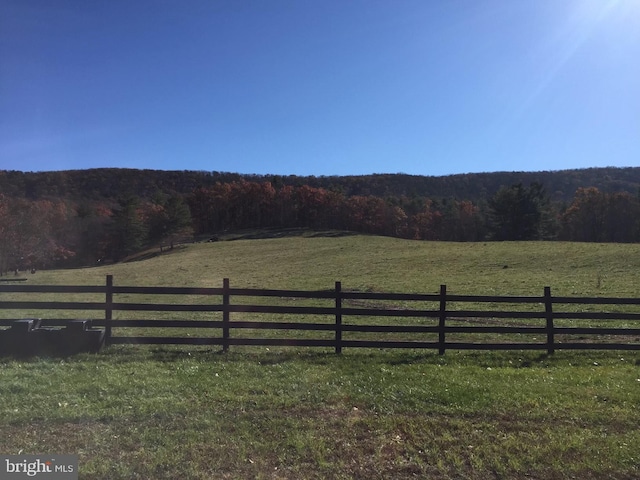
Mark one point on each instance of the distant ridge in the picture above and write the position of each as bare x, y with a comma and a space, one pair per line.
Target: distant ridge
110, 183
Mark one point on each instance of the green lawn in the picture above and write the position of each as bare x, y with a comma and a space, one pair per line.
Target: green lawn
195, 413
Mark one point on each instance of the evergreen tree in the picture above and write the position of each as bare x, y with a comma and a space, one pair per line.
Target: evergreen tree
178, 218
520, 213
168, 219
128, 232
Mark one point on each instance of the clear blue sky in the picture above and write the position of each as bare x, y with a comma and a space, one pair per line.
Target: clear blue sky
323, 87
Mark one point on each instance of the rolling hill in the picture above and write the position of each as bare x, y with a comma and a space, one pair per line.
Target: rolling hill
111, 183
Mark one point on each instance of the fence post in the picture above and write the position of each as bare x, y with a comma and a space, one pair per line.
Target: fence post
225, 314
338, 318
108, 310
443, 316
548, 309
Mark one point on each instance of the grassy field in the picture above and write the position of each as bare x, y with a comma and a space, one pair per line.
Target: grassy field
387, 264
194, 413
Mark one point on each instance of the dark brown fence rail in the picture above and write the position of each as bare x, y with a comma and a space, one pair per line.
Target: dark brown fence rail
436, 321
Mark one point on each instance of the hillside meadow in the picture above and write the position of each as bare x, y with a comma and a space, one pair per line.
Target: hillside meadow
310, 260
255, 412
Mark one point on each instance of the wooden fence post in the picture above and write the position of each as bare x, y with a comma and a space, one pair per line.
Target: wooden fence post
338, 318
225, 314
108, 310
548, 309
443, 316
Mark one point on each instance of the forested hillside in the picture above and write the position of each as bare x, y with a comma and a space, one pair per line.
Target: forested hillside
110, 183
80, 217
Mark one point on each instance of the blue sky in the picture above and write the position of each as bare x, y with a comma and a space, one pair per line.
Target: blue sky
324, 87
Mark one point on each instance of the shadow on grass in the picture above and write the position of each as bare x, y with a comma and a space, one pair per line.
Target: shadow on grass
267, 233
364, 358
353, 358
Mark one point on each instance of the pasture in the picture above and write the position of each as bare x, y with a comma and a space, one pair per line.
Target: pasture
194, 413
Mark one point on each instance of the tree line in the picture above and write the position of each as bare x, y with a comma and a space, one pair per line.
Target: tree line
100, 184
36, 234
43, 233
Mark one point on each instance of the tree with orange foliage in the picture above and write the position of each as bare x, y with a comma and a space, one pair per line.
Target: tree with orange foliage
594, 216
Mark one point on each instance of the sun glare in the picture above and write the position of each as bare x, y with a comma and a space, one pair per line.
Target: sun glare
618, 20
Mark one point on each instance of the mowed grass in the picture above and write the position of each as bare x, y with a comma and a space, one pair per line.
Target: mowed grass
195, 413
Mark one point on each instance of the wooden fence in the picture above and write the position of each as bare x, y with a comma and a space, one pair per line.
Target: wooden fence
347, 314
